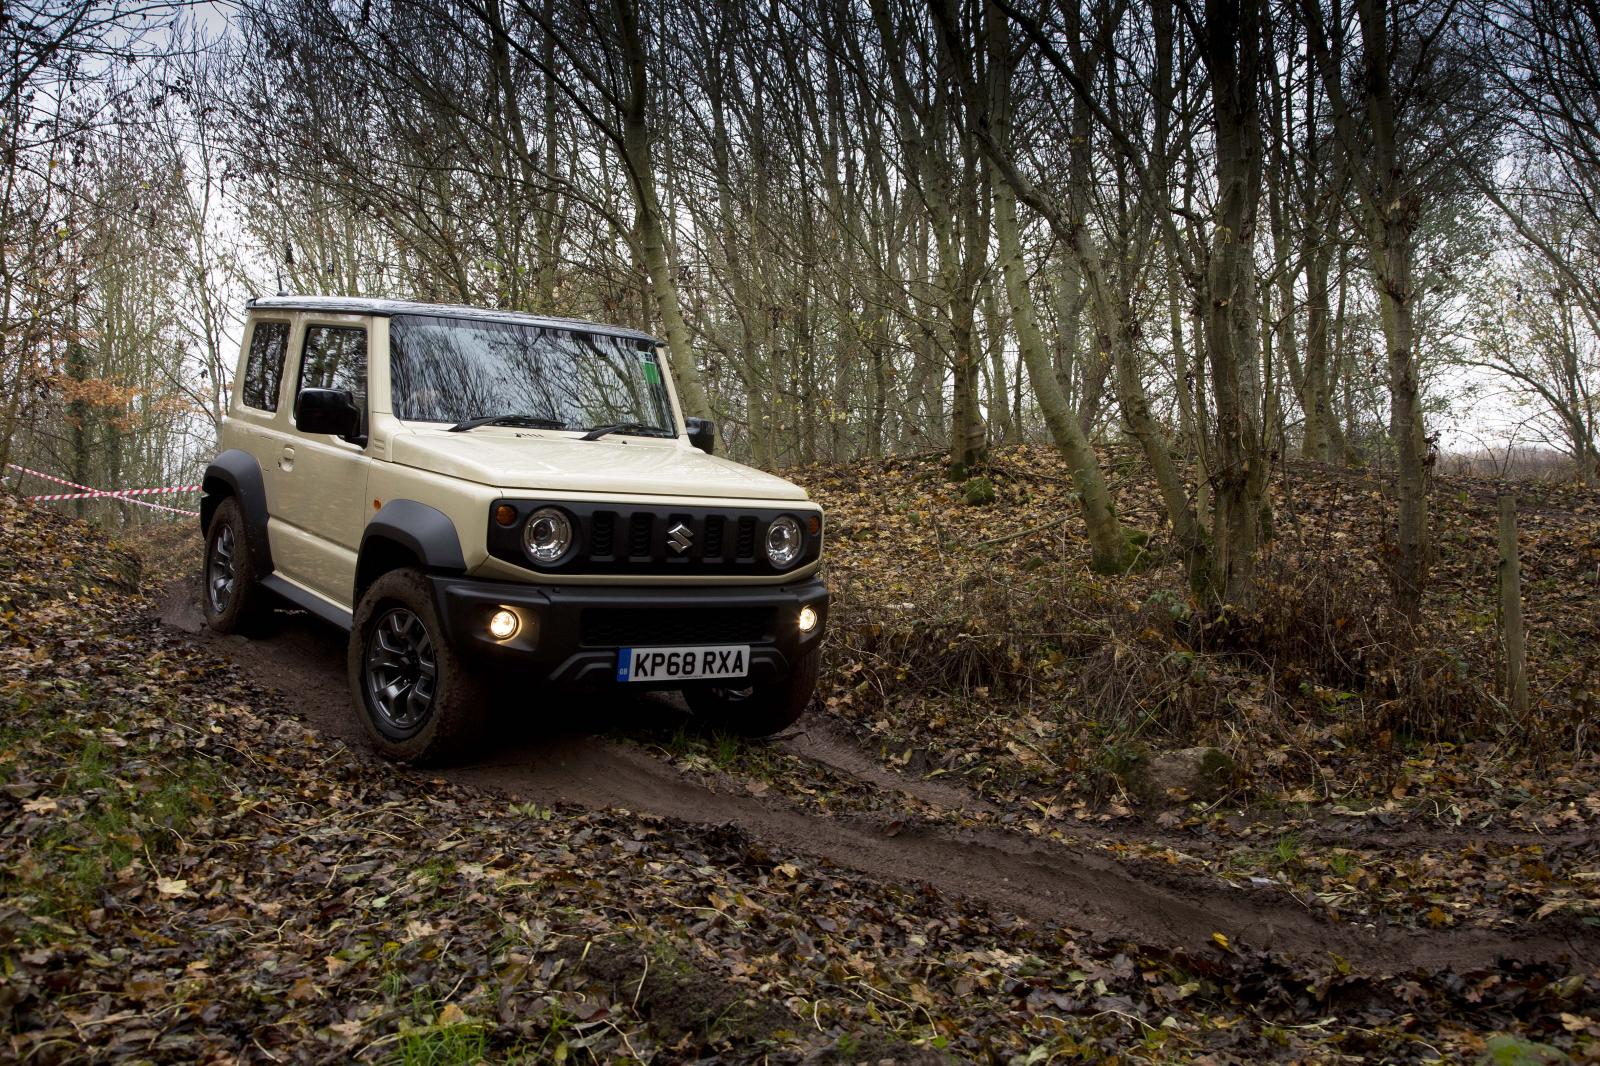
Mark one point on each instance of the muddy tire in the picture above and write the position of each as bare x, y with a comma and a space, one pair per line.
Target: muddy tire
231, 597
417, 700
758, 710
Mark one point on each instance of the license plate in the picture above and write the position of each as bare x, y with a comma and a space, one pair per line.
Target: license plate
683, 664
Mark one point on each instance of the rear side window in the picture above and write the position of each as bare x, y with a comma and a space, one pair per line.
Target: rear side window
264, 369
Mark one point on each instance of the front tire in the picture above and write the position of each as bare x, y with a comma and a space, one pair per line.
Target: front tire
418, 702
231, 597
759, 710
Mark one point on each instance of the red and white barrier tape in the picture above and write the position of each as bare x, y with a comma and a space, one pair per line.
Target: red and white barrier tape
155, 506
49, 477
91, 493
117, 492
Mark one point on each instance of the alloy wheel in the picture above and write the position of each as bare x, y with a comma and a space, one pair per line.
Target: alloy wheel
220, 572
401, 672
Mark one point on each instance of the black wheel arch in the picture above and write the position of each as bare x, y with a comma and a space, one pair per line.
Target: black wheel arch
236, 473
407, 533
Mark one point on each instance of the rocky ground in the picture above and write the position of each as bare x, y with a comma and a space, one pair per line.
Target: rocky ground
977, 847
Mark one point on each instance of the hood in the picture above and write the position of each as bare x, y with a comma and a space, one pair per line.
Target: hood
609, 465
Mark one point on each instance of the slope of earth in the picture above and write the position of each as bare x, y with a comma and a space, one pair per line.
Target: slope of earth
1364, 765
193, 866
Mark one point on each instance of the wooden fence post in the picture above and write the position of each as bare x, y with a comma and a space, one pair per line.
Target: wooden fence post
1515, 642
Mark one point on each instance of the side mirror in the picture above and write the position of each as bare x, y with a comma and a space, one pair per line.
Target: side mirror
702, 434
327, 411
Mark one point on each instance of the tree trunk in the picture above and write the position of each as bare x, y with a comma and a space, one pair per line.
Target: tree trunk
967, 431
647, 202
999, 387
1232, 53
548, 235
1134, 403
1316, 381
1395, 291
1070, 299
1515, 642
1391, 206
879, 345
1343, 422
1109, 542
78, 410
1392, 212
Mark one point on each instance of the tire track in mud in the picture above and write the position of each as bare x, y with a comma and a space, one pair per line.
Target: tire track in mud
1143, 901
820, 742
813, 739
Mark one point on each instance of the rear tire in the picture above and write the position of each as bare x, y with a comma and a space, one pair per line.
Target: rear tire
759, 710
419, 703
231, 597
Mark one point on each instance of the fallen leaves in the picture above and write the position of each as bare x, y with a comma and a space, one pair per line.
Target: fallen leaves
264, 892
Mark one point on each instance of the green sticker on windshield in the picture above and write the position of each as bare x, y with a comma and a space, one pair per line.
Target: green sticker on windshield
652, 372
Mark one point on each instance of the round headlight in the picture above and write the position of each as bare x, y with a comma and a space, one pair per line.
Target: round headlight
547, 535
783, 542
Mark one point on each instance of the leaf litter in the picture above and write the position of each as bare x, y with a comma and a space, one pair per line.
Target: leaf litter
334, 908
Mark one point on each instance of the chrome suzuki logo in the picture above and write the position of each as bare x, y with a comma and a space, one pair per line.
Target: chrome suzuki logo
679, 539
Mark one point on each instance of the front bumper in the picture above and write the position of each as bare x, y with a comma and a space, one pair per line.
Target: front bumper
571, 633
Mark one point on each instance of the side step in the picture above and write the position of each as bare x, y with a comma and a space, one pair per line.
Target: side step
308, 601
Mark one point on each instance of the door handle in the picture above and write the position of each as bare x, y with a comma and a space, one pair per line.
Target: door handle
286, 460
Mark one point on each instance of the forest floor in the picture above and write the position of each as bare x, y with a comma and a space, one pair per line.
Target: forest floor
965, 852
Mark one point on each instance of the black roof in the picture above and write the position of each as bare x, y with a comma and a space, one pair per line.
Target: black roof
355, 305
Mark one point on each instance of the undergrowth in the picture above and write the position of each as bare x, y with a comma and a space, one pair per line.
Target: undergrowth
936, 602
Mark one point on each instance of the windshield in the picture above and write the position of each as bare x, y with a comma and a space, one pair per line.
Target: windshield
456, 369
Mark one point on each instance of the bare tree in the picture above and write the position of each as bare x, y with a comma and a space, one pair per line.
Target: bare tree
65, 76
1544, 58
942, 166
1533, 331
1407, 141
1109, 541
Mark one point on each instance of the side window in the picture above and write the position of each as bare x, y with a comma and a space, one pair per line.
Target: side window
335, 357
264, 369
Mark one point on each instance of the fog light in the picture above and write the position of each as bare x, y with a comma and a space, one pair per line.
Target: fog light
808, 619
503, 625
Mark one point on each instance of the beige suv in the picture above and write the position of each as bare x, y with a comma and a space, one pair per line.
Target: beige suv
480, 496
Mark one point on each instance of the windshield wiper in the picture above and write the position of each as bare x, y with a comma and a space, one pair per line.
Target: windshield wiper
622, 427
533, 421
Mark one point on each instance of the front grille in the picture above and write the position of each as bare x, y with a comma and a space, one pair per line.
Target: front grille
628, 627
746, 548
619, 539
714, 524
603, 534
639, 530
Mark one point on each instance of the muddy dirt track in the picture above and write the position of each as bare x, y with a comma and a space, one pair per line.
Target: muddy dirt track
554, 760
